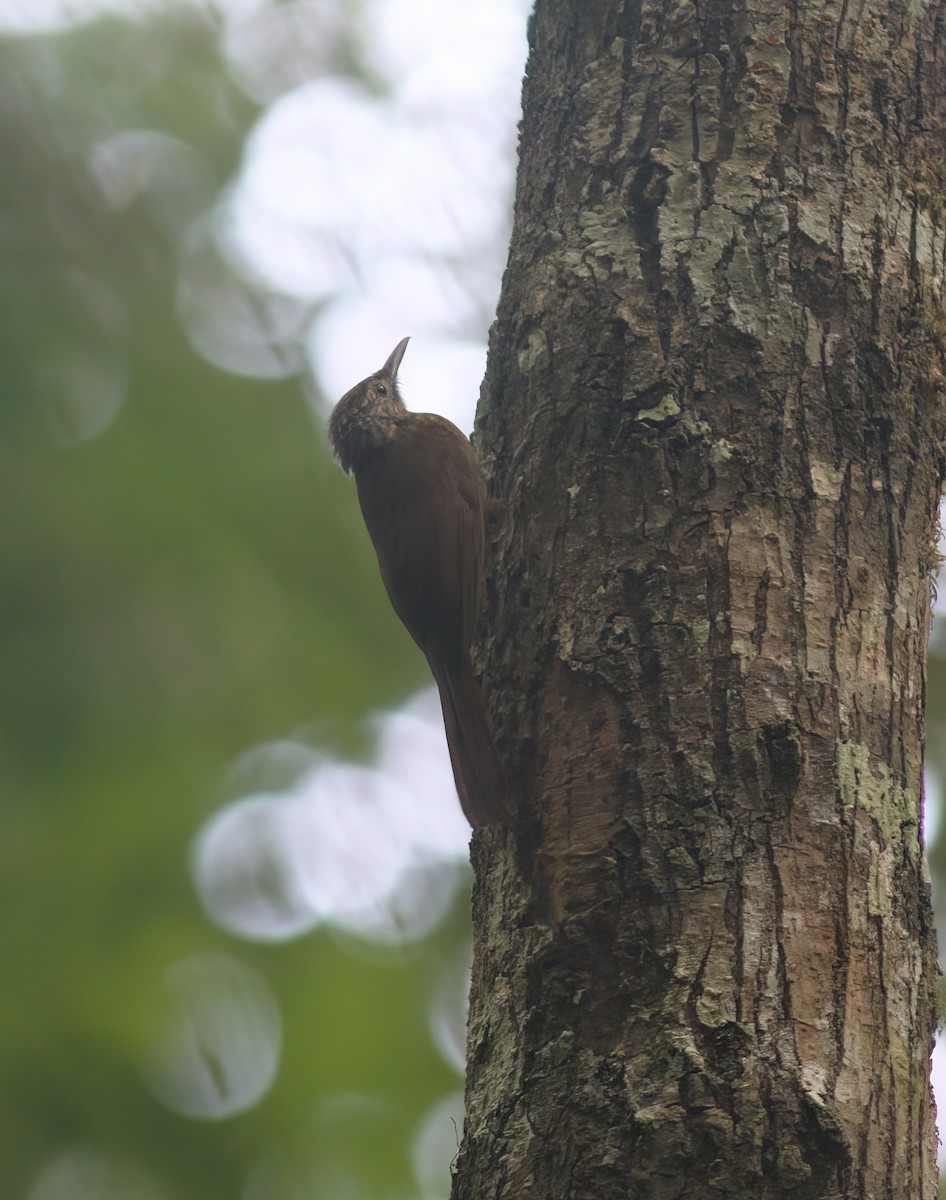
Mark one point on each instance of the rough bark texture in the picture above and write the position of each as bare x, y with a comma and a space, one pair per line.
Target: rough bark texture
715, 414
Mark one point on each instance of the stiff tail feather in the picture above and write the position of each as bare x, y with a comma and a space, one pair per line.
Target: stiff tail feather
481, 785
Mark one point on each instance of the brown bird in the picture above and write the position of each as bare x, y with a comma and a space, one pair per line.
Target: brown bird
423, 498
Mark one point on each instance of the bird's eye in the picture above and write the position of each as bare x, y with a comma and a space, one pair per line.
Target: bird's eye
381, 389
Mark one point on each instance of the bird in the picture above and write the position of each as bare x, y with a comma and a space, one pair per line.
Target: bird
423, 498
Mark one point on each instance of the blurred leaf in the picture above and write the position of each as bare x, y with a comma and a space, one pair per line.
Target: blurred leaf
185, 576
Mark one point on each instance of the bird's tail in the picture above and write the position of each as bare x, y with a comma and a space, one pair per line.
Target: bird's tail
481, 785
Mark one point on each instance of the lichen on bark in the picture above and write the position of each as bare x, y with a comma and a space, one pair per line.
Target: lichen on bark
714, 413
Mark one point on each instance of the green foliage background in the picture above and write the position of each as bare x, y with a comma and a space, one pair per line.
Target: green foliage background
190, 583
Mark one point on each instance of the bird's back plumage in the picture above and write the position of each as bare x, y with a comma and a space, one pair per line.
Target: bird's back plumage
423, 506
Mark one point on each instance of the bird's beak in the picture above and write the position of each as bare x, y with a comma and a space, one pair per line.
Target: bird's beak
394, 359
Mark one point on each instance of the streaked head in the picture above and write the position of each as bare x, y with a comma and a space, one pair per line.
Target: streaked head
367, 415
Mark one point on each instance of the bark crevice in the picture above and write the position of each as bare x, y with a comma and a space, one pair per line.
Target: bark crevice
716, 417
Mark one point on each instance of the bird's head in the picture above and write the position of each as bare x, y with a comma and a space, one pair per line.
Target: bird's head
368, 414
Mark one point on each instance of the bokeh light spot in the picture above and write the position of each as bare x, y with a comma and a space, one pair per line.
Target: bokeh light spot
89, 1173
275, 48
163, 173
378, 852
234, 325
245, 870
435, 1146
219, 1050
449, 1008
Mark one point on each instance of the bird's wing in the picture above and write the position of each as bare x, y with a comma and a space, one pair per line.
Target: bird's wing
423, 500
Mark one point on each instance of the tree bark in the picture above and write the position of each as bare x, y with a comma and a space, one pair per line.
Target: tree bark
715, 416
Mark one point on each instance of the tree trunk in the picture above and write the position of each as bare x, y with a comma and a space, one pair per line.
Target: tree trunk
715, 416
